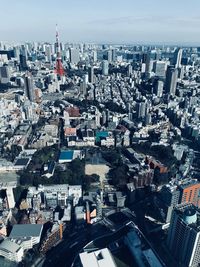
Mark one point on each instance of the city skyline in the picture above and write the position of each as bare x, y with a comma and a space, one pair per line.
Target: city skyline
174, 22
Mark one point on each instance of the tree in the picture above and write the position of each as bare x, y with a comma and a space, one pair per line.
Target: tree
118, 175
112, 156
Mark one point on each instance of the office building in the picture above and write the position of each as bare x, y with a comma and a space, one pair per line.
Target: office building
141, 109
177, 57
83, 87
159, 68
4, 74
129, 69
74, 55
29, 87
184, 235
99, 258
169, 195
190, 192
48, 53
141, 253
159, 88
11, 250
105, 67
23, 59
94, 55
171, 80
28, 234
91, 74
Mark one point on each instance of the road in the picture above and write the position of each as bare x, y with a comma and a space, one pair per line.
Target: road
65, 252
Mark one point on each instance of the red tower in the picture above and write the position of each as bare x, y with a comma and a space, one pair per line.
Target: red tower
59, 67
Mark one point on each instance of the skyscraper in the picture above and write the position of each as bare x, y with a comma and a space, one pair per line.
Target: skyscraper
184, 235
159, 67
48, 53
23, 59
177, 57
141, 108
159, 88
91, 74
28, 86
105, 67
4, 74
171, 80
74, 55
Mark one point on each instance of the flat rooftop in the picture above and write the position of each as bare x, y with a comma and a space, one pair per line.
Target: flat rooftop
26, 230
66, 155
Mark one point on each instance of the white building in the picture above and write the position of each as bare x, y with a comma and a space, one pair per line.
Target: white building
11, 251
28, 234
99, 258
75, 191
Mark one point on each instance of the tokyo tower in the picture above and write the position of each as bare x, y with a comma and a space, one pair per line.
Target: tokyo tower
59, 67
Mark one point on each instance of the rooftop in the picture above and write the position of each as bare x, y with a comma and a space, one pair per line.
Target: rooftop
68, 155
26, 230
9, 246
99, 258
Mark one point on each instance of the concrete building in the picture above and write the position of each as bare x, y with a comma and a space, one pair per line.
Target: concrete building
171, 80
142, 255
74, 55
80, 213
105, 67
99, 258
11, 250
28, 234
29, 87
190, 192
184, 235
177, 57
159, 68
4, 74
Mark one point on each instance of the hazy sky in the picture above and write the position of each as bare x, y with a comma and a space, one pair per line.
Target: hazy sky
113, 21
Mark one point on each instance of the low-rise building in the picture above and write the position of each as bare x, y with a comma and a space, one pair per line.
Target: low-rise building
28, 234
11, 250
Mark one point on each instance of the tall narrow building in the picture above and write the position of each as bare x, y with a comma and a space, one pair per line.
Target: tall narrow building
184, 235
29, 87
105, 67
171, 80
177, 57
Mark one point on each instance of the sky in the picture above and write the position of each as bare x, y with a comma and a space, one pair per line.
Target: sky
101, 21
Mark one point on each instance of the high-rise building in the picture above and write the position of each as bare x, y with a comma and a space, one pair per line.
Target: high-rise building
190, 192
48, 53
169, 195
94, 54
74, 55
141, 109
148, 62
91, 74
177, 57
109, 56
159, 68
159, 88
105, 67
184, 235
83, 87
4, 74
28, 110
171, 80
23, 63
129, 70
23, 58
29, 87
